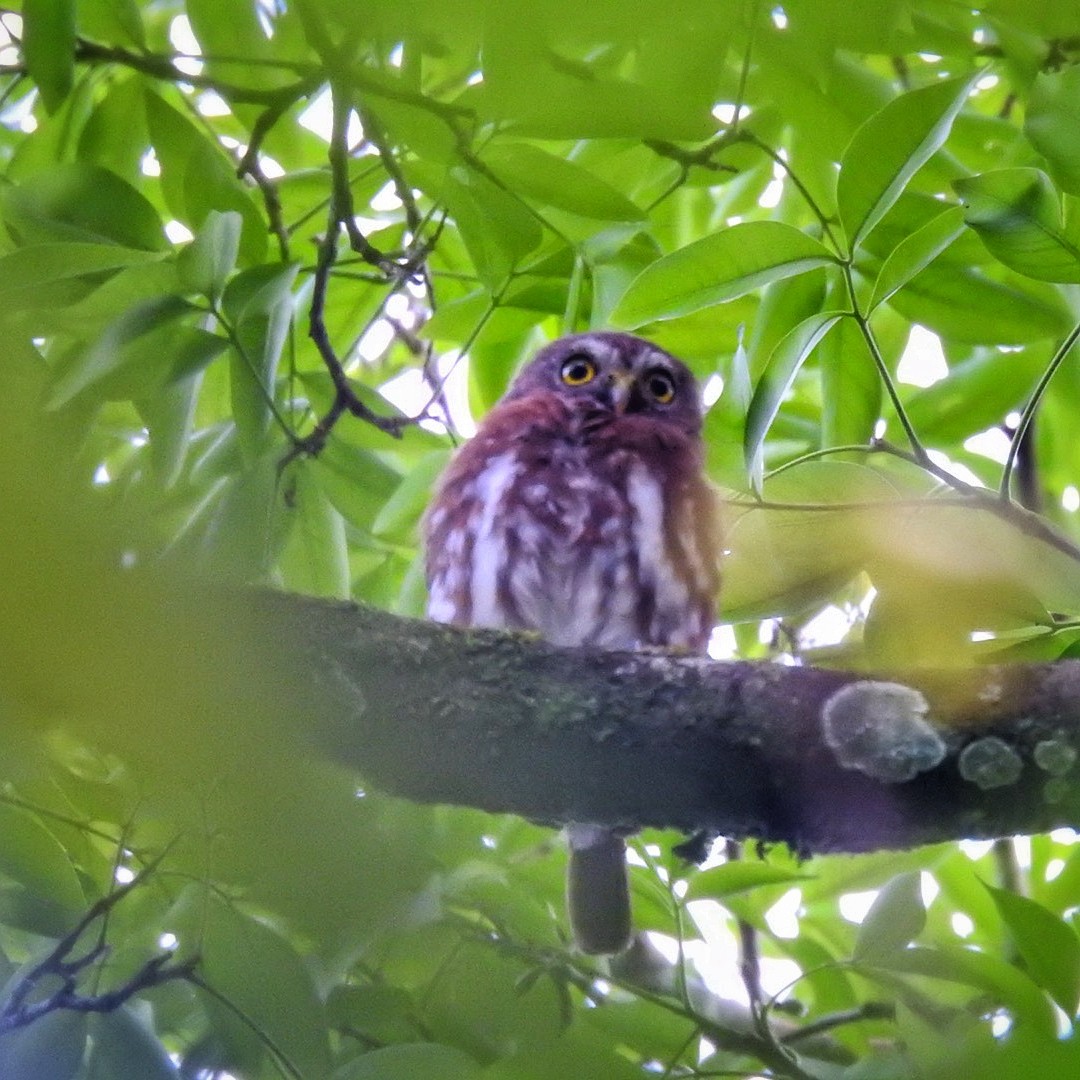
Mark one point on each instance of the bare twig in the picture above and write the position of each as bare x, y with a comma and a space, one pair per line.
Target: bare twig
737, 1035
872, 1010
250, 165
59, 963
377, 137
1024, 520
749, 954
341, 216
1032, 406
163, 67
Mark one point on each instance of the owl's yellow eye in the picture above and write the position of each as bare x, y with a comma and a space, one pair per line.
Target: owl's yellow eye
661, 386
577, 371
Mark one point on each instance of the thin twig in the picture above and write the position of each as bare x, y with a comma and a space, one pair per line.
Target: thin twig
340, 216
341, 201
1024, 520
863, 323
59, 963
872, 1010
744, 71
737, 1040
800, 186
373, 129
267, 392
163, 67
284, 1063
749, 953
250, 165
1033, 404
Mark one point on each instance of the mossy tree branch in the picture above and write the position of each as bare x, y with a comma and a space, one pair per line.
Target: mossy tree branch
824, 760
506, 723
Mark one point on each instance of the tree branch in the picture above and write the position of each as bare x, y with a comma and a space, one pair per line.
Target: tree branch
823, 760
25, 1003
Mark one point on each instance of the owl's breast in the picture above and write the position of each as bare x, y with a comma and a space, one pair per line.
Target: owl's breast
575, 541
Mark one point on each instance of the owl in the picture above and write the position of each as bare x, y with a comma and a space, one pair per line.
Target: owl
580, 511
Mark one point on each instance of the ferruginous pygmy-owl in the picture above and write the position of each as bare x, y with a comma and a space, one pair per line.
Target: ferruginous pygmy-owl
580, 511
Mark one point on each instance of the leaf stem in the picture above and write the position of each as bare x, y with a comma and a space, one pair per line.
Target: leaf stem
266, 392
823, 452
804, 191
1032, 406
863, 323
1025, 521
744, 70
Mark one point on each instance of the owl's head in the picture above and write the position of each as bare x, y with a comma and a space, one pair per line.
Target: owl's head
616, 374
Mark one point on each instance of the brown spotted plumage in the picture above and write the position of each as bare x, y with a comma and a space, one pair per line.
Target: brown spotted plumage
580, 511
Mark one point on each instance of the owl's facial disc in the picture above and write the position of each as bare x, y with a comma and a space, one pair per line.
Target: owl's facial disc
611, 375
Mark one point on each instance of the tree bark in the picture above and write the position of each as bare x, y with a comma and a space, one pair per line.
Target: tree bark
824, 760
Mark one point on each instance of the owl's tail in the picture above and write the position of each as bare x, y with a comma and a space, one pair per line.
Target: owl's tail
597, 890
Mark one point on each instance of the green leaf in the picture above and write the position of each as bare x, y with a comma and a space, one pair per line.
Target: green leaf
50, 1048
725, 423
48, 47
916, 252
567, 70
779, 374
31, 855
24, 272
1047, 944
258, 304
497, 228
1017, 214
106, 20
961, 303
895, 918
851, 388
737, 877
137, 353
716, 268
259, 973
794, 560
169, 416
399, 518
976, 394
315, 560
889, 148
380, 1013
579, 1052
82, 203
118, 293
28, 910
197, 178
206, 263
968, 967
229, 30
653, 1033
1052, 123
557, 182
124, 1048
357, 481
410, 1061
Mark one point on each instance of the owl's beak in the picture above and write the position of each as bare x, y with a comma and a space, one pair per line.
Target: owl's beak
622, 386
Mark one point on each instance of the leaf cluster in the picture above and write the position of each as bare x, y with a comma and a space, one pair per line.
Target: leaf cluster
262, 264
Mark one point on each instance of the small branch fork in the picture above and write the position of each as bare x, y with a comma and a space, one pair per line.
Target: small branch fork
395, 271
21, 1008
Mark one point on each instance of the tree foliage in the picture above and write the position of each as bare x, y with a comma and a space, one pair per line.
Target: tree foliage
260, 260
